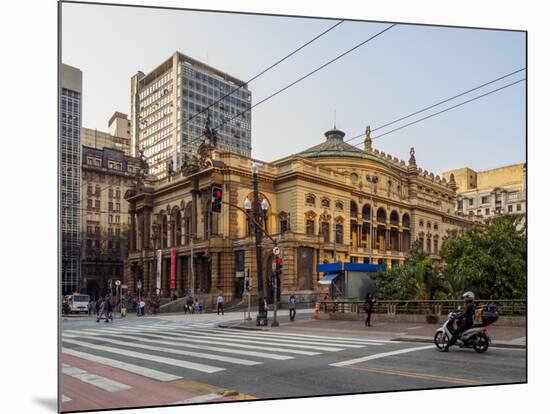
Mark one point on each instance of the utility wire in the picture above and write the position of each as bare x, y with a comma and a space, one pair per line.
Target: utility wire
298, 80
255, 77
437, 104
264, 71
447, 109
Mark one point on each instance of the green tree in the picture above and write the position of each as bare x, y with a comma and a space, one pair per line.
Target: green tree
491, 260
416, 279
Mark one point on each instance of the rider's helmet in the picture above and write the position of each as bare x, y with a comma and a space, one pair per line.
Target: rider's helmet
468, 297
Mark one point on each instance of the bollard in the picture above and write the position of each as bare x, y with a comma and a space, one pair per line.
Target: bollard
316, 311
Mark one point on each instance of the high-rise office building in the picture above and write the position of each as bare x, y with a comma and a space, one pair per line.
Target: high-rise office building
165, 104
70, 124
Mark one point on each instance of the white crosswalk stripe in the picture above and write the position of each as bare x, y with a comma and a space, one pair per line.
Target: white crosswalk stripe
167, 351
148, 357
222, 336
98, 381
136, 369
289, 339
195, 339
173, 351
181, 343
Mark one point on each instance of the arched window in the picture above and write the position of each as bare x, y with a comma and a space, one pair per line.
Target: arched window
353, 209
421, 223
406, 220
284, 219
354, 177
310, 199
429, 225
394, 218
381, 215
339, 205
325, 202
366, 212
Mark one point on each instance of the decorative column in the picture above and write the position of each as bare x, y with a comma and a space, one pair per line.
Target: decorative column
147, 228
132, 230
170, 224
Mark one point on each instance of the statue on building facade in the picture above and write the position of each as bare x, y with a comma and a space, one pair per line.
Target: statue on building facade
412, 159
368, 139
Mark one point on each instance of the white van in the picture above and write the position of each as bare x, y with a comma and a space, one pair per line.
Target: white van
78, 302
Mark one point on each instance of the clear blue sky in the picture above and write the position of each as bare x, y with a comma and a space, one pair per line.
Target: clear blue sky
403, 70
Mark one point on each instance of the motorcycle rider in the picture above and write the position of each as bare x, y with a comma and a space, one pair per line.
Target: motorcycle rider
465, 321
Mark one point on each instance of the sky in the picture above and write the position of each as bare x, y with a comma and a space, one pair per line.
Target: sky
401, 71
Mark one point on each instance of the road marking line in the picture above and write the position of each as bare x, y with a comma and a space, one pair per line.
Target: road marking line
64, 398
199, 399
377, 356
237, 343
238, 361
271, 338
419, 375
179, 342
358, 340
98, 381
136, 369
191, 338
414, 327
148, 357
351, 342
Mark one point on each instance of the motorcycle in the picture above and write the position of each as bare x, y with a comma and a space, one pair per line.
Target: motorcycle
476, 337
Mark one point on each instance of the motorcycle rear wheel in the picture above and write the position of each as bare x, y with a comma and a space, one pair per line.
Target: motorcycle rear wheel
441, 340
481, 343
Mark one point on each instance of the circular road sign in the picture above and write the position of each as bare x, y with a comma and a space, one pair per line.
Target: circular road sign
139, 284
117, 283
276, 250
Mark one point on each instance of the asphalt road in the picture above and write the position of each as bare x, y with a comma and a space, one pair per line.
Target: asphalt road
288, 362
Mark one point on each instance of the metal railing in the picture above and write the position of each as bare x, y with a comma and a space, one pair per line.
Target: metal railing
508, 307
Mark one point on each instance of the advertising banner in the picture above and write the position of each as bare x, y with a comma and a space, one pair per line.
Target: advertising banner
159, 268
173, 268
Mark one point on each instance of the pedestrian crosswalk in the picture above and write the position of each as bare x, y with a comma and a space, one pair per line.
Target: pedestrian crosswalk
171, 351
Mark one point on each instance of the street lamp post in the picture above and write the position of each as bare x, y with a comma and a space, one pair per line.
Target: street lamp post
262, 312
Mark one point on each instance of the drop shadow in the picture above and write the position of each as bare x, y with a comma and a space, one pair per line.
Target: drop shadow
49, 403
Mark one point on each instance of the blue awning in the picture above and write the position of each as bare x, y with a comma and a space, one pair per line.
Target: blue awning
327, 279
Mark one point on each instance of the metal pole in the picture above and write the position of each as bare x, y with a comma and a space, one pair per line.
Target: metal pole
334, 244
258, 244
192, 275
370, 237
275, 303
248, 292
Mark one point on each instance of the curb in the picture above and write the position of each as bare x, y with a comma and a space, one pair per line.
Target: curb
430, 340
243, 328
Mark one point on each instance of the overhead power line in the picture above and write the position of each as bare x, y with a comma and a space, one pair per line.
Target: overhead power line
447, 109
437, 104
298, 80
263, 71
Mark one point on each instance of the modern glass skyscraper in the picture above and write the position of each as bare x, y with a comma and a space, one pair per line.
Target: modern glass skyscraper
70, 124
165, 104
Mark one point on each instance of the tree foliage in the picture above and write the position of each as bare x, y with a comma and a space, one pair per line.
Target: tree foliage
491, 260
417, 279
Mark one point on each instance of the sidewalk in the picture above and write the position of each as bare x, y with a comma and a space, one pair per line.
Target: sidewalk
503, 336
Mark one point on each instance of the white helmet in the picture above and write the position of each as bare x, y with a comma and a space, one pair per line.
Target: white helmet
468, 296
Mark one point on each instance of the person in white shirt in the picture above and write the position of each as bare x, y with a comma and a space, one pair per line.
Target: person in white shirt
141, 307
219, 300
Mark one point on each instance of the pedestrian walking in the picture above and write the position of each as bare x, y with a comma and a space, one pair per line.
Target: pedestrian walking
141, 308
219, 301
103, 311
369, 306
292, 307
109, 310
198, 307
189, 305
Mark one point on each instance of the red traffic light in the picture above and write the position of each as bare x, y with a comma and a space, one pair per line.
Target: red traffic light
279, 261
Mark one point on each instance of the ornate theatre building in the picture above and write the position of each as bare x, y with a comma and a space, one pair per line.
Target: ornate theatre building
331, 202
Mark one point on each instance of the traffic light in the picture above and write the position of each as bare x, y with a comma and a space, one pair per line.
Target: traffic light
217, 193
279, 266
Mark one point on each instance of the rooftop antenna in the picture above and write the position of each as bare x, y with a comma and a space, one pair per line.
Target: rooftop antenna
335, 119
